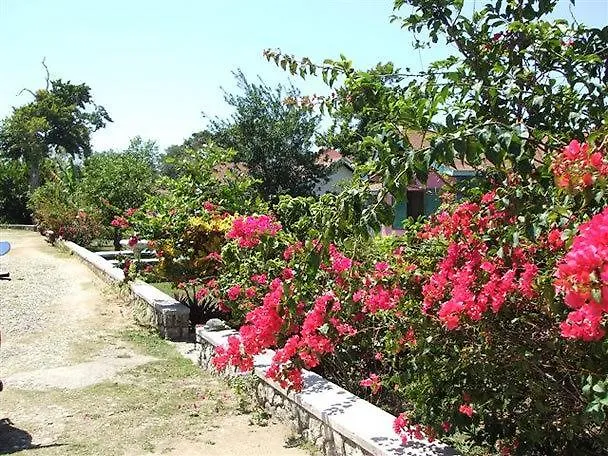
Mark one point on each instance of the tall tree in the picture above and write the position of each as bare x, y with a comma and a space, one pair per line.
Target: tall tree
272, 137
117, 181
59, 121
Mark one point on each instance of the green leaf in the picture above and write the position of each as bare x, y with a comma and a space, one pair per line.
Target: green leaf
599, 388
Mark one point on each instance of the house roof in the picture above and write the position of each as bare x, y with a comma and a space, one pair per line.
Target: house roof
331, 157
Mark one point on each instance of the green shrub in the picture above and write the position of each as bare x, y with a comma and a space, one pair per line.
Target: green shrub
14, 192
56, 208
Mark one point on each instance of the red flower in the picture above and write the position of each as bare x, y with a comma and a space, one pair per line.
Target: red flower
234, 292
467, 410
373, 382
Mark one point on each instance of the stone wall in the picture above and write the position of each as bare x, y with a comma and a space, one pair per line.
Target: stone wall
334, 420
13, 226
169, 316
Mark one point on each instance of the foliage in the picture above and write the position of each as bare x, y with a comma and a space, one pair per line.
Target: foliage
426, 324
117, 181
186, 230
485, 327
430, 322
273, 139
56, 207
171, 162
519, 87
13, 192
58, 122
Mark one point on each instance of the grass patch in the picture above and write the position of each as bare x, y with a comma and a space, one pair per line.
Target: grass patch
140, 410
165, 287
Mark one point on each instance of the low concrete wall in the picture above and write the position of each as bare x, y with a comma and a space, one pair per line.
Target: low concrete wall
171, 317
11, 226
337, 422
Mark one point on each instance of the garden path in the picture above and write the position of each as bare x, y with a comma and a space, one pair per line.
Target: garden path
82, 379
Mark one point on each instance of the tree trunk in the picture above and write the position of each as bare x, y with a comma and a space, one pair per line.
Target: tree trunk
117, 239
34, 175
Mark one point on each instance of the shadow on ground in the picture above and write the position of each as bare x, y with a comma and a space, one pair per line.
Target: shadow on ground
13, 439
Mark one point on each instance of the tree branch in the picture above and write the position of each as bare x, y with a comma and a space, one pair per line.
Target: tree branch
26, 90
48, 75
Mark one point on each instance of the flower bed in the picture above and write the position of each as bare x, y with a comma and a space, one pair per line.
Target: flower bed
484, 328
337, 422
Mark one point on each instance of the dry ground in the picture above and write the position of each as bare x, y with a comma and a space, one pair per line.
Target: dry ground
82, 379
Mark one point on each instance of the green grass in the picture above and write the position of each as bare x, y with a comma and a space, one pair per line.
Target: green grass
143, 408
165, 287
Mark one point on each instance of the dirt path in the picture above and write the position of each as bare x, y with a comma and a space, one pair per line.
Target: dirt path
81, 379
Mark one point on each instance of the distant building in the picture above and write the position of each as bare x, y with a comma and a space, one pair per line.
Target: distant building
420, 200
423, 200
341, 170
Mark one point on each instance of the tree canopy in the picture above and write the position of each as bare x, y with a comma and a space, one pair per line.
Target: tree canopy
117, 181
58, 121
519, 85
274, 139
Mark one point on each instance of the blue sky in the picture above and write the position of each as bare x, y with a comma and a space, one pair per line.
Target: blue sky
157, 64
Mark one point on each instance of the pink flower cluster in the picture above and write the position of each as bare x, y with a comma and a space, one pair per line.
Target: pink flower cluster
467, 410
578, 166
407, 430
380, 297
373, 382
339, 262
249, 230
582, 276
120, 222
471, 279
292, 249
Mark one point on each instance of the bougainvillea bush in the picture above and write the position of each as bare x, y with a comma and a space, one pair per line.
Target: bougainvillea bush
486, 326
57, 208
186, 221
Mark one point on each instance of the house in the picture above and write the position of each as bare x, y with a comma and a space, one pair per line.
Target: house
341, 170
420, 200
424, 200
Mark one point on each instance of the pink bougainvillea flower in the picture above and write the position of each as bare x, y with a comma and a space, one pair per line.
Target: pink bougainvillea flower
291, 250
214, 256
209, 206
466, 409
287, 274
554, 239
581, 277
201, 293
120, 222
260, 279
578, 166
233, 292
373, 382
248, 230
